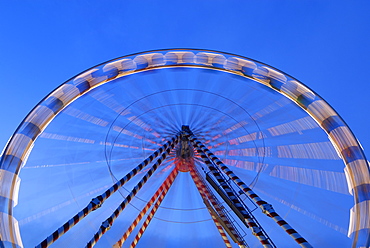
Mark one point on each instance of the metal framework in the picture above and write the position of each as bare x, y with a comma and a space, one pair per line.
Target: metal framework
185, 144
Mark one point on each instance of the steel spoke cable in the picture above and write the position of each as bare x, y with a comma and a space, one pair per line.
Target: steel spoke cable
265, 207
105, 226
165, 186
99, 200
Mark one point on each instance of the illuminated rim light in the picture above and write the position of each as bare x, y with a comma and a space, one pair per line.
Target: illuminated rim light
20, 145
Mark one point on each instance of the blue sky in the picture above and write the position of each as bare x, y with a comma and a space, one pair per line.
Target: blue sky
324, 44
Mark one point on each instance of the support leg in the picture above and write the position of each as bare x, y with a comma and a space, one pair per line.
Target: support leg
266, 208
109, 222
206, 202
164, 187
154, 209
224, 220
99, 200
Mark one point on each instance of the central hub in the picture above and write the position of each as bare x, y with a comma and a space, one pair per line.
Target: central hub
184, 153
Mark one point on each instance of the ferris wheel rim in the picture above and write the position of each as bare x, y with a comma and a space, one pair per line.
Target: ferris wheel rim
359, 153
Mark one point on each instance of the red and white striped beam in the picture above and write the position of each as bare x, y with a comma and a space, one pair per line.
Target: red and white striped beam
164, 187
152, 212
99, 200
229, 227
203, 194
256, 229
109, 222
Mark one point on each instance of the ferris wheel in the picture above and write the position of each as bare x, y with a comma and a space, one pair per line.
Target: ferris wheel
184, 148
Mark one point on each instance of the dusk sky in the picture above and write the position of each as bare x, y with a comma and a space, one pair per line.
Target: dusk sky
324, 44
